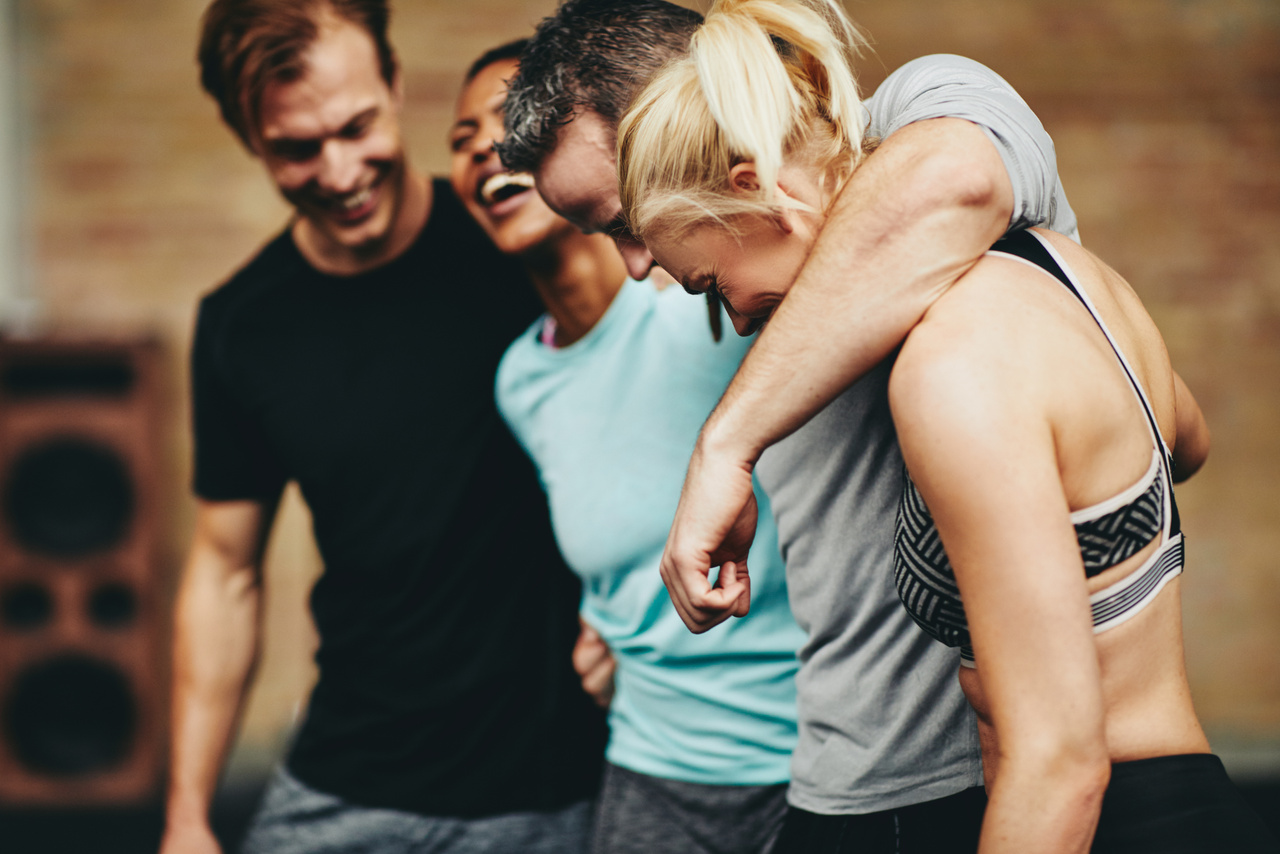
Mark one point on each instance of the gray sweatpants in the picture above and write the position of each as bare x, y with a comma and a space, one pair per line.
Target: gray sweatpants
296, 819
639, 814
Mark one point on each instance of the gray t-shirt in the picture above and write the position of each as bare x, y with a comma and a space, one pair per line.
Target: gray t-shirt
883, 722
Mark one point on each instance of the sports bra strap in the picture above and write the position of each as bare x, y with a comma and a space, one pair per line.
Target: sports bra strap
1030, 247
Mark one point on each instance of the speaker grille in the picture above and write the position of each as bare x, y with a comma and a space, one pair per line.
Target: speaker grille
70, 716
69, 497
82, 695
67, 376
26, 607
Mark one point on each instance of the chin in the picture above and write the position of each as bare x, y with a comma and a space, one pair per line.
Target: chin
520, 246
367, 235
524, 241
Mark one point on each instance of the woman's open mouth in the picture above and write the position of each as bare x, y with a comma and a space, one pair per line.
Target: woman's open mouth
503, 187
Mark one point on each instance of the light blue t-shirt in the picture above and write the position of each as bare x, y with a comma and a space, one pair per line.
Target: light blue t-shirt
611, 421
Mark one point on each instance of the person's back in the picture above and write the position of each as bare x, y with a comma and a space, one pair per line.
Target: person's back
1012, 326
1042, 423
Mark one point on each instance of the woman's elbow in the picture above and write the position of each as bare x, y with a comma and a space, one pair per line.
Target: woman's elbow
1076, 770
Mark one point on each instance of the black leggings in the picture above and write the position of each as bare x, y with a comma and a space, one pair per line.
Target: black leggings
1178, 805
1166, 805
946, 826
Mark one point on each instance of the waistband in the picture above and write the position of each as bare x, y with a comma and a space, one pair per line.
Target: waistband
1207, 764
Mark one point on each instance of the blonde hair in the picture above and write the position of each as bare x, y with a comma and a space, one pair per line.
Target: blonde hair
766, 81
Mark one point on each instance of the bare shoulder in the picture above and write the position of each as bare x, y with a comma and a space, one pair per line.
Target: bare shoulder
1136, 333
967, 341
971, 364
1115, 297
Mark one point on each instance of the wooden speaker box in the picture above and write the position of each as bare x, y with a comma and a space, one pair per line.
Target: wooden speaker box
82, 693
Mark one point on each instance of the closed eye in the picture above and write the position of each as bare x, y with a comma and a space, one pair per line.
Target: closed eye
618, 230
294, 150
462, 133
359, 126
705, 285
458, 143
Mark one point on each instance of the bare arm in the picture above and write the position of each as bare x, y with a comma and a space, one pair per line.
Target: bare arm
983, 456
1191, 446
216, 634
914, 216
912, 219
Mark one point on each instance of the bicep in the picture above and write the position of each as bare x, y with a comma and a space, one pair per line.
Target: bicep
956, 87
230, 537
935, 165
918, 213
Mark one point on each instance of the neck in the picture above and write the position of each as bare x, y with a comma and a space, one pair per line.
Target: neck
577, 276
338, 260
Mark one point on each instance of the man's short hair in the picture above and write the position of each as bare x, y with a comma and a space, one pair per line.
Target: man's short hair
247, 44
591, 55
510, 50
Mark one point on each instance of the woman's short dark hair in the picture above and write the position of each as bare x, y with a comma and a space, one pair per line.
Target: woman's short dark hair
247, 44
510, 50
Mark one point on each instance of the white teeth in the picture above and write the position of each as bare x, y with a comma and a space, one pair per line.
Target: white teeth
496, 183
355, 200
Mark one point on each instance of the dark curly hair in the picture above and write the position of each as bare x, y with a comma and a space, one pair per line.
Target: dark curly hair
590, 55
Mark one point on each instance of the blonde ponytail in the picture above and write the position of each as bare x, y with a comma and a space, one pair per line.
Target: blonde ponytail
764, 81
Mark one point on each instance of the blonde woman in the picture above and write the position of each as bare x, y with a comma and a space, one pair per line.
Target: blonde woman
1039, 419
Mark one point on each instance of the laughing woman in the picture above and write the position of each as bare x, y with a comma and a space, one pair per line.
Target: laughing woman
1041, 423
600, 394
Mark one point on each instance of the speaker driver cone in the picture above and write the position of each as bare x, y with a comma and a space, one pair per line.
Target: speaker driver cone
69, 497
70, 716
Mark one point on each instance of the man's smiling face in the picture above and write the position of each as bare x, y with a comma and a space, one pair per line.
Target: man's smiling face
331, 140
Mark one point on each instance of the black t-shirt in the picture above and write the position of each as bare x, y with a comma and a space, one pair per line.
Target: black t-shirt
446, 616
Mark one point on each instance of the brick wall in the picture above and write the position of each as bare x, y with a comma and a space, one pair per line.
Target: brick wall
1167, 118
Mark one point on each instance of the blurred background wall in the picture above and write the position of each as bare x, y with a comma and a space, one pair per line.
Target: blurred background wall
123, 199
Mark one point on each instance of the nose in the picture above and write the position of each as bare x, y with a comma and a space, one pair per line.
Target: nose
636, 256
339, 167
482, 149
742, 324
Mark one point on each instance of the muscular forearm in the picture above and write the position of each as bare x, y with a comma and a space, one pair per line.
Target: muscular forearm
917, 214
215, 649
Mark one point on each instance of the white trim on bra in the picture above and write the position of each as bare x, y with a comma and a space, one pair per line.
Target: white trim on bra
1102, 508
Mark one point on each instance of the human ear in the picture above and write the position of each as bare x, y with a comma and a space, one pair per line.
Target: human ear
743, 178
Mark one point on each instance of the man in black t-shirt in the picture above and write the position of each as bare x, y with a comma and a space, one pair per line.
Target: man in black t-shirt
355, 355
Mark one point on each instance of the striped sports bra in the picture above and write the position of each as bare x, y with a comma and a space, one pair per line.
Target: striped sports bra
1108, 532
